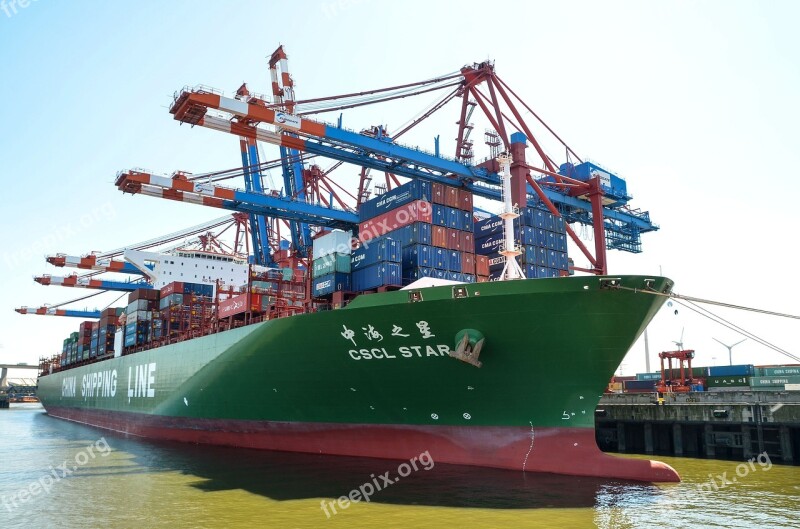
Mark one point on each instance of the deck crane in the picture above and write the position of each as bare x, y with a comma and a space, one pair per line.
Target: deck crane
253, 183
92, 262
579, 197
44, 310
88, 281
100, 262
283, 100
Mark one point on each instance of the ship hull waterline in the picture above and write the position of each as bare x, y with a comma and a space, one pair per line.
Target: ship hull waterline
376, 380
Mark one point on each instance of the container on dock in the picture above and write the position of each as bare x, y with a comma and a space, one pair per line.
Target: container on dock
730, 381
640, 386
777, 371
774, 381
734, 370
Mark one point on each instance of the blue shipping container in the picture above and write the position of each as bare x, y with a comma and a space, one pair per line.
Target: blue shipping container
440, 258
412, 274
453, 218
731, 371
418, 255
561, 242
486, 227
454, 261
440, 215
330, 283
466, 220
489, 245
418, 233
375, 251
381, 274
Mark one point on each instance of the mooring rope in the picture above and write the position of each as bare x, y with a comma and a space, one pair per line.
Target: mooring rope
691, 304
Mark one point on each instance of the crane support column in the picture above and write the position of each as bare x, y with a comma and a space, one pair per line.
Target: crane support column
519, 184
596, 198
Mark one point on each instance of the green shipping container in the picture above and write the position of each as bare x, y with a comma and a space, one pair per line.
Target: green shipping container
729, 381
784, 371
774, 381
330, 264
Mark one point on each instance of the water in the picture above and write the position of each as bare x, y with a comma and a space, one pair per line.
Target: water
119, 482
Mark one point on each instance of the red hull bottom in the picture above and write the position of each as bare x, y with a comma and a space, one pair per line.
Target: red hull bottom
570, 451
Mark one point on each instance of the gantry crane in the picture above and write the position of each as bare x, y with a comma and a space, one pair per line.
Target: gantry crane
582, 196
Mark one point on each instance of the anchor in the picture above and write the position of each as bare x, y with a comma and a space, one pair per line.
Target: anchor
469, 343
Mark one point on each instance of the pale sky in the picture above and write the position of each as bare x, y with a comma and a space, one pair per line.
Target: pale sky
694, 103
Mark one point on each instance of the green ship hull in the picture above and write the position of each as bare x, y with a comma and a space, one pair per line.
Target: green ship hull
377, 378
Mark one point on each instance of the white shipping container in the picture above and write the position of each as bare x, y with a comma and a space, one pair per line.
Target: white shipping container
337, 241
118, 343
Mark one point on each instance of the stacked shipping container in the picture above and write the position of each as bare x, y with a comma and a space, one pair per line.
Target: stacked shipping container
330, 267
431, 225
180, 307
139, 316
542, 239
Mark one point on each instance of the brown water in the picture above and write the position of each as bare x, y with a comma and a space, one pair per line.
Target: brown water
123, 482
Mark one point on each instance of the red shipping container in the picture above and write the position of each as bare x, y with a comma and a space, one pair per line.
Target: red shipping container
451, 197
176, 287
417, 211
467, 263
437, 193
467, 241
453, 239
232, 306
439, 236
483, 279
465, 199
482, 265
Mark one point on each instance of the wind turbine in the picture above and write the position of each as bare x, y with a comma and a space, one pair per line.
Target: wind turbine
679, 343
730, 349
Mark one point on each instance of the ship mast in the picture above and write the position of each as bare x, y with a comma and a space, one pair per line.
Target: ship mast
511, 270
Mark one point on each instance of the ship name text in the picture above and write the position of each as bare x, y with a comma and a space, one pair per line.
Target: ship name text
143, 378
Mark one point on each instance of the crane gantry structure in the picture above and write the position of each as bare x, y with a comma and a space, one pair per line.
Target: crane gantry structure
580, 193
273, 225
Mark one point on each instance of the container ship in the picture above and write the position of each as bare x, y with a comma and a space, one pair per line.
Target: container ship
416, 322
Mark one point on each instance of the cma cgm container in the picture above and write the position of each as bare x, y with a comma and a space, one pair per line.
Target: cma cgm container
383, 249
413, 190
416, 211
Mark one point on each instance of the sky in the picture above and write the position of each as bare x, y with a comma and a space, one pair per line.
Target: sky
694, 104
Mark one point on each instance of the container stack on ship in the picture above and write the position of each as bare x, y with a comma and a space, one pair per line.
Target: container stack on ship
381, 329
